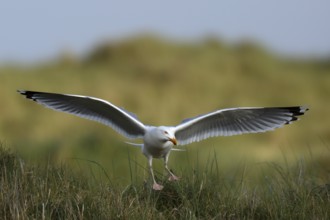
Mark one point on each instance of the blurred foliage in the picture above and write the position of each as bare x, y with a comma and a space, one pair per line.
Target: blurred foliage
163, 82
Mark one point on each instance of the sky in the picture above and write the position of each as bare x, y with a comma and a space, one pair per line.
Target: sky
39, 29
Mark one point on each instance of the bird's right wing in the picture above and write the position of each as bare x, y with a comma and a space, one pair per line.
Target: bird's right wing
91, 108
234, 121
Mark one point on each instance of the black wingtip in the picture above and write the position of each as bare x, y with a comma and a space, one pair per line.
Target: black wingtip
21, 91
296, 111
27, 94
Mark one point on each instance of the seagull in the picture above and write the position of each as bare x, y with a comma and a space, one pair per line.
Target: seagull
158, 141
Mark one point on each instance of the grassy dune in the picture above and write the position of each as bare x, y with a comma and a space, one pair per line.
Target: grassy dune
45, 191
87, 169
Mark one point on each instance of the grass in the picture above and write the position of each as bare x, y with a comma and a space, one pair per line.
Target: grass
46, 191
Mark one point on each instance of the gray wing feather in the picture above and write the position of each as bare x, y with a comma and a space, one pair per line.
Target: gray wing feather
91, 108
235, 121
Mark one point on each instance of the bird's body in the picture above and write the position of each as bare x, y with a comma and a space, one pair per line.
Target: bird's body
158, 141
154, 146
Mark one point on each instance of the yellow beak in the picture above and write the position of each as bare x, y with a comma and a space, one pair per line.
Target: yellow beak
173, 140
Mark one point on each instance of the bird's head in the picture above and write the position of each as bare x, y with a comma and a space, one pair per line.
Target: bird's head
166, 135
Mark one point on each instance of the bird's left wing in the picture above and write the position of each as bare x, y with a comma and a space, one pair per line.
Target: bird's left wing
234, 121
91, 108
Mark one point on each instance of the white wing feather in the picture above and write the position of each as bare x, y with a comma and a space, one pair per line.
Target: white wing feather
235, 121
91, 108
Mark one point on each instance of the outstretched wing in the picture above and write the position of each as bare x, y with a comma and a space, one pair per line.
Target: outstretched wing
91, 108
234, 121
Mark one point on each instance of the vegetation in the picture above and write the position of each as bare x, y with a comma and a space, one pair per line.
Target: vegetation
66, 167
45, 191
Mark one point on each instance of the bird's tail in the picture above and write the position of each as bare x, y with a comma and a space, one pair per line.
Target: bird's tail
141, 145
135, 144
176, 149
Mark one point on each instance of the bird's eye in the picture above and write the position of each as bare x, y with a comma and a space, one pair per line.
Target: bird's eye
165, 132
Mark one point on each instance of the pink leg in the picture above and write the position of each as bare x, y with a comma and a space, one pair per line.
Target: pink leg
155, 186
172, 176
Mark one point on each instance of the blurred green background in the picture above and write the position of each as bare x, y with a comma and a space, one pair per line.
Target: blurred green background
165, 81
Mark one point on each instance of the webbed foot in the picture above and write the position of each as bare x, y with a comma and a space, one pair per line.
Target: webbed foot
157, 186
173, 178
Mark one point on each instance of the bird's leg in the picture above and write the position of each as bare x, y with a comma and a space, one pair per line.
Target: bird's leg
155, 186
172, 176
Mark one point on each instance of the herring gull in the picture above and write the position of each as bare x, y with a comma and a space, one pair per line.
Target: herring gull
159, 141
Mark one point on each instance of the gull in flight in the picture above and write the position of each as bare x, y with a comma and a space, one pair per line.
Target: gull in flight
159, 141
